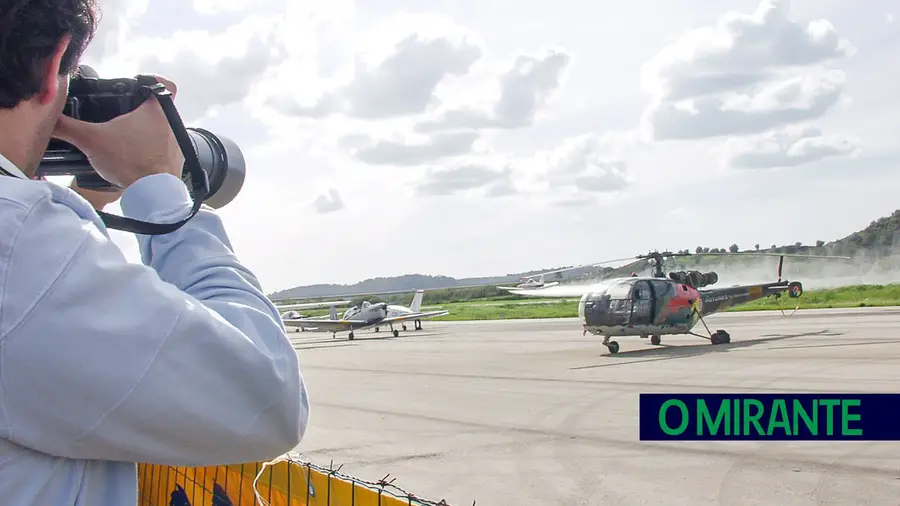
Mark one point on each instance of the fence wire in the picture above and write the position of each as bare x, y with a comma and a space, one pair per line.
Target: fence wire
289, 482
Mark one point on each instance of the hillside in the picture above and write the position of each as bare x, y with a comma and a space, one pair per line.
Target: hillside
875, 253
406, 283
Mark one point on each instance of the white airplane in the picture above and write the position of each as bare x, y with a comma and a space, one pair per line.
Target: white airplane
397, 310
292, 315
530, 284
370, 315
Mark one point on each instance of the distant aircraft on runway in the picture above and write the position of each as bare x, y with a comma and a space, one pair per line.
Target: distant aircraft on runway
395, 310
292, 315
531, 283
370, 315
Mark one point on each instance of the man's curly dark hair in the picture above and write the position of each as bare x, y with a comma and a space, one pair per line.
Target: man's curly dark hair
29, 33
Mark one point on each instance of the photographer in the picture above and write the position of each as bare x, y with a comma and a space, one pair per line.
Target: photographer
103, 363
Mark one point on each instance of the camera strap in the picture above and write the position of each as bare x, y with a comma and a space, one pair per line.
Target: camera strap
199, 181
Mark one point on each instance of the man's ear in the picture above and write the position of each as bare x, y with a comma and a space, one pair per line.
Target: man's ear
51, 81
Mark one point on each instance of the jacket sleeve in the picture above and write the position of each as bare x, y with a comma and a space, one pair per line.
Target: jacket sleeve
182, 361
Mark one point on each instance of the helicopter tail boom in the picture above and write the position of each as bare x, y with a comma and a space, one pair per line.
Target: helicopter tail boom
719, 299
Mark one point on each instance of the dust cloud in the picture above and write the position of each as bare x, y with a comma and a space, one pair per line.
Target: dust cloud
814, 273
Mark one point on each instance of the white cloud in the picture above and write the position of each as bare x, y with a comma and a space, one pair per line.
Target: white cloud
113, 32
587, 163
467, 177
789, 147
523, 90
480, 129
740, 50
399, 83
746, 74
770, 105
329, 202
212, 7
438, 146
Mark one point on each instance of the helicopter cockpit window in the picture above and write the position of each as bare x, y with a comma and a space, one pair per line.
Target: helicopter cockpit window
641, 290
620, 302
620, 290
663, 288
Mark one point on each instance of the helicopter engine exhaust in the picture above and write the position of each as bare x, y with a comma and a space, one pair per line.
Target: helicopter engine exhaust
696, 279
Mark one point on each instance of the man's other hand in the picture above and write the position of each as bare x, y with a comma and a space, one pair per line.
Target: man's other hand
98, 199
130, 146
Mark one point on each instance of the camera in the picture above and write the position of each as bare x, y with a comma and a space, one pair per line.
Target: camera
98, 100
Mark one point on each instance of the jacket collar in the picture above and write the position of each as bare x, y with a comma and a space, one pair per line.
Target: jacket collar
10, 167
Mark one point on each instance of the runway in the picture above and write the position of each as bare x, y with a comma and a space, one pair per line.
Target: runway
532, 412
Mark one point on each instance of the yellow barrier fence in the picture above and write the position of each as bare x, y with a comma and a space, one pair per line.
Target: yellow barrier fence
289, 482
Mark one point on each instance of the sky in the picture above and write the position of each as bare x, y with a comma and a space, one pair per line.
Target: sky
475, 138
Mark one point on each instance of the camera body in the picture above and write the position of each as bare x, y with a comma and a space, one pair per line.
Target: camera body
93, 100
97, 100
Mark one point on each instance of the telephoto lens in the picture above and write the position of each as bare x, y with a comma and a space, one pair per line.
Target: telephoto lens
223, 163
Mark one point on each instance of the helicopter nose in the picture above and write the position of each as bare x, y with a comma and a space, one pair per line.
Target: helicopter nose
594, 309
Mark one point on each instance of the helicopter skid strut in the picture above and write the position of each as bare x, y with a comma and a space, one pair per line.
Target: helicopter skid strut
717, 337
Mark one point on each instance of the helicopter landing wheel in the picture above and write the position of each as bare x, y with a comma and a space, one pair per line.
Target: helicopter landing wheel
397, 333
720, 337
655, 340
613, 347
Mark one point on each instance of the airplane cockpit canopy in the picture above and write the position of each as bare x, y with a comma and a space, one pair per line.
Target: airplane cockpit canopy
353, 310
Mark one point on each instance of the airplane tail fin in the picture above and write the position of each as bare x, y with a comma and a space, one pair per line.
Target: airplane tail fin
417, 301
333, 313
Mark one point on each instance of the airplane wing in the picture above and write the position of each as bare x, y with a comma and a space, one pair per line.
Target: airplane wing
325, 325
313, 305
413, 316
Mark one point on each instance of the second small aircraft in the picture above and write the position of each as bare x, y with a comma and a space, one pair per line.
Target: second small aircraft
369, 315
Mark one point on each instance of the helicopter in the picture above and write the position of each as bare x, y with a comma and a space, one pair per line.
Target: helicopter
660, 304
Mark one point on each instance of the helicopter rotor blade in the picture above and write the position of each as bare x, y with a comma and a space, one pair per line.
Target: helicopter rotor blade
759, 254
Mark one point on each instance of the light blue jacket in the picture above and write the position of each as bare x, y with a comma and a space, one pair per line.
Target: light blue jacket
105, 363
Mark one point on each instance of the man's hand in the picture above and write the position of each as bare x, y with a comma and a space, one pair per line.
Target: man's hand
97, 199
128, 147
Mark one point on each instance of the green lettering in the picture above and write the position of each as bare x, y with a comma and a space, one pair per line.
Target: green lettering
736, 430
812, 424
829, 415
779, 410
846, 417
705, 420
754, 418
684, 417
